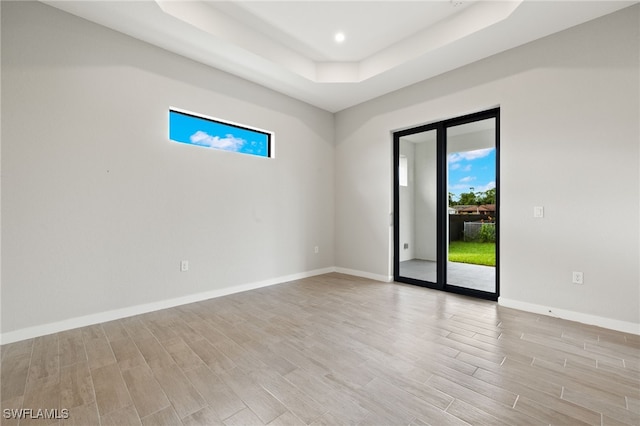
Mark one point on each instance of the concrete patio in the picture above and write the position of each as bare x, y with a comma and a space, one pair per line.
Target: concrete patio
477, 277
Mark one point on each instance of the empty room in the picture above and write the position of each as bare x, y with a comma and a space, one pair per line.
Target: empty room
320, 212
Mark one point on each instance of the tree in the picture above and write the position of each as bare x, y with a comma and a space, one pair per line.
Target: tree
487, 197
468, 198
472, 198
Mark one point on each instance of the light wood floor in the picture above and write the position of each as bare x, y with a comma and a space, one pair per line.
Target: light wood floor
330, 350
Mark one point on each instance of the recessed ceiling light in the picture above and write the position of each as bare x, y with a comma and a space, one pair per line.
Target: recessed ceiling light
339, 37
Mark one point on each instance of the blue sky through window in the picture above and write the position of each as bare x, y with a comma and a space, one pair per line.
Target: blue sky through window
472, 169
193, 130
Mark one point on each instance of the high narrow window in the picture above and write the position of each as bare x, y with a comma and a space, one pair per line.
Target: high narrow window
193, 129
403, 170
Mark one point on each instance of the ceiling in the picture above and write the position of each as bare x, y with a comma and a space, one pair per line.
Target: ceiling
289, 45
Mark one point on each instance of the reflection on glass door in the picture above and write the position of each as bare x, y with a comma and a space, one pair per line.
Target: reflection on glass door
418, 185
446, 205
471, 177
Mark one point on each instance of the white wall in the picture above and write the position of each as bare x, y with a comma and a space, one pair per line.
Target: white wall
407, 203
418, 201
426, 199
569, 142
99, 207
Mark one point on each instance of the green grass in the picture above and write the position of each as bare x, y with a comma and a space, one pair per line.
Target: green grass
476, 253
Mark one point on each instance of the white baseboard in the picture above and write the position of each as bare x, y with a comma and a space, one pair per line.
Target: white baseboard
71, 323
362, 274
612, 324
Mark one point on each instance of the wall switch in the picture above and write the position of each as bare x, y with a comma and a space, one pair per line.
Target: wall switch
316, 249
578, 278
184, 266
538, 211
406, 246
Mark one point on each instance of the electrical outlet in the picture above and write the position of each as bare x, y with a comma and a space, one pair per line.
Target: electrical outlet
578, 278
184, 266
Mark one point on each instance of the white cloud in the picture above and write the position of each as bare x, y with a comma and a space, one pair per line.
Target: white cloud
466, 187
459, 187
228, 143
467, 179
469, 155
486, 187
458, 166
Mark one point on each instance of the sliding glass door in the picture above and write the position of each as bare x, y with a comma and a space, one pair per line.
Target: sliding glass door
418, 206
446, 205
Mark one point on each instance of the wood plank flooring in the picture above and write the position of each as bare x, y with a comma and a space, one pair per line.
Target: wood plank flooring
328, 350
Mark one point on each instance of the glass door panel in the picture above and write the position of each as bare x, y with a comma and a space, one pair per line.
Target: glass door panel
471, 187
418, 206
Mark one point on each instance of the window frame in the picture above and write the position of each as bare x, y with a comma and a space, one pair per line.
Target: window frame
227, 123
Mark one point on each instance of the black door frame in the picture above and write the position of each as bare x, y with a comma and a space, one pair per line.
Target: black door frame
442, 202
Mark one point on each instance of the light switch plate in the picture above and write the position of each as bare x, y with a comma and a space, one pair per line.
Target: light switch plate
538, 211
